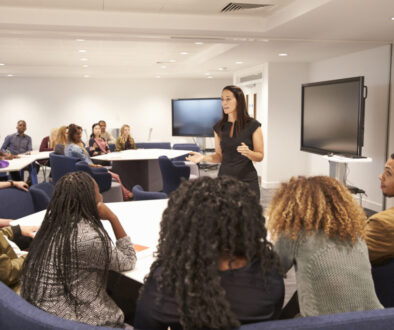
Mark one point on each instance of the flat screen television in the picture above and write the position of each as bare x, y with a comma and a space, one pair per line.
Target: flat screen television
195, 117
332, 117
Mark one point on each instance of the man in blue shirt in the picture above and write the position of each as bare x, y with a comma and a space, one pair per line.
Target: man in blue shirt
17, 143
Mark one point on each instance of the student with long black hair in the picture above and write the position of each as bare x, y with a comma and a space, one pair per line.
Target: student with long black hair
67, 267
214, 268
238, 140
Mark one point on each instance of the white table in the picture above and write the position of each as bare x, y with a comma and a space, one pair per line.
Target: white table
140, 166
140, 220
20, 163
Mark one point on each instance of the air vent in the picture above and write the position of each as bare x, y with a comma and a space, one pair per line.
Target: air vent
233, 6
252, 77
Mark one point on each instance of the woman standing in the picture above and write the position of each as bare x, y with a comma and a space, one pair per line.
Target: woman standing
67, 267
319, 228
124, 141
214, 268
97, 145
238, 140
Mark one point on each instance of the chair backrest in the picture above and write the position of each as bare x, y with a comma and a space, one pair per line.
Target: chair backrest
383, 278
42, 194
17, 313
141, 195
380, 319
153, 145
172, 174
100, 175
16, 203
185, 146
61, 165
111, 147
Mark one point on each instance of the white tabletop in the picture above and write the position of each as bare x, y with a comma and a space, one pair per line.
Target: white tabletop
141, 154
17, 164
140, 220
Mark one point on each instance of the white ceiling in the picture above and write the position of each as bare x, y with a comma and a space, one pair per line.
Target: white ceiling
126, 38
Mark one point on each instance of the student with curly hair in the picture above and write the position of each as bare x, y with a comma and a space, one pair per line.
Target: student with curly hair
319, 228
214, 268
67, 267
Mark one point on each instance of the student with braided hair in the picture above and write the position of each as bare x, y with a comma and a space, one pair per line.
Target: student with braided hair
67, 267
319, 228
214, 268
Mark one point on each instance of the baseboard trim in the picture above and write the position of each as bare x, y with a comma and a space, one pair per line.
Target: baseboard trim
366, 203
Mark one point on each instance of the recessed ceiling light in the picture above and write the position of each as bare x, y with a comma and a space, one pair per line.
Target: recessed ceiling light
223, 68
86, 76
198, 43
85, 66
172, 61
183, 53
82, 50
239, 62
392, 18
157, 76
209, 77
10, 75
283, 54
84, 59
207, 73
1, 64
80, 40
163, 67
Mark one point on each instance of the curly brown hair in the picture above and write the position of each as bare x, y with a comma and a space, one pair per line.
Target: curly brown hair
318, 203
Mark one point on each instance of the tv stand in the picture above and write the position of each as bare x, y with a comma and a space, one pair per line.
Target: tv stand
339, 165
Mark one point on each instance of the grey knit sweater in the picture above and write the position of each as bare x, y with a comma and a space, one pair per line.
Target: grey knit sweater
95, 309
332, 276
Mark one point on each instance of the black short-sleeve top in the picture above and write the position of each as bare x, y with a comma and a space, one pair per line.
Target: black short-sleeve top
233, 163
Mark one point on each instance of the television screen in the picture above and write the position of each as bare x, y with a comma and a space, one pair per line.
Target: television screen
195, 117
333, 117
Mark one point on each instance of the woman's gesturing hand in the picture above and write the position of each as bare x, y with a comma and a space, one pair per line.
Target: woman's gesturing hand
195, 157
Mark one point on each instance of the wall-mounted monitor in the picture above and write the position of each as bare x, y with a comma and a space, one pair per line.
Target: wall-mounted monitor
195, 117
332, 119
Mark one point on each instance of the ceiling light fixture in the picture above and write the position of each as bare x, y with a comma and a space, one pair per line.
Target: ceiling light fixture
80, 40
86, 76
157, 77
209, 77
183, 53
163, 67
1, 64
199, 43
239, 62
172, 61
84, 59
283, 54
10, 75
207, 73
85, 66
82, 50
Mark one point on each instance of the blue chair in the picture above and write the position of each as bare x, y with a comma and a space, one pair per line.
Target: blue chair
172, 174
153, 145
185, 146
383, 278
17, 313
141, 195
42, 194
16, 203
380, 319
111, 147
61, 165
100, 174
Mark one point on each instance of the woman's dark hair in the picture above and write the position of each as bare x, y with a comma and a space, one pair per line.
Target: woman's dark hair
56, 244
242, 111
72, 130
207, 219
92, 136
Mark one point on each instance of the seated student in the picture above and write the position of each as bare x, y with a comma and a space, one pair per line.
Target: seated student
11, 258
48, 142
105, 134
66, 270
97, 145
319, 228
61, 140
76, 148
124, 141
380, 227
214, 267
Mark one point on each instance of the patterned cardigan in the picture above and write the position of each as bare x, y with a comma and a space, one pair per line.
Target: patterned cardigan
95, 307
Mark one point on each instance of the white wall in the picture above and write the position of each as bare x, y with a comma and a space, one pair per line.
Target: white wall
373, 64
143, 103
